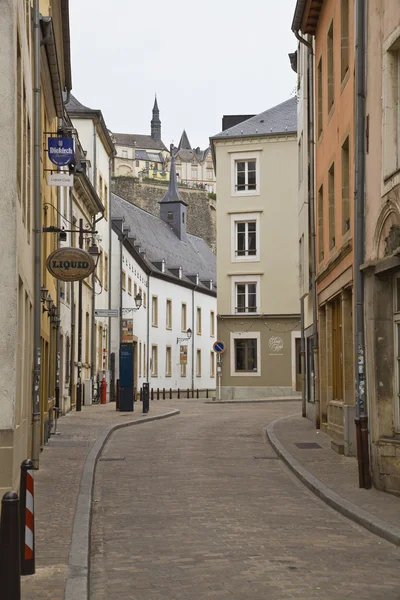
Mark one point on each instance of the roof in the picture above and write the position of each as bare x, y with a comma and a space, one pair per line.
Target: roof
157, 239
277, 120
77, 110
149, 156
184, 142
172, 193
306, 16
143, 142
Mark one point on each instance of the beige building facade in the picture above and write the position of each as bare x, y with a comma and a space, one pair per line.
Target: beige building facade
257, 254
382, 227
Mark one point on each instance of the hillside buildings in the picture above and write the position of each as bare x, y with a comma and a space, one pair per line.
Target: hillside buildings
194, 167
258, 308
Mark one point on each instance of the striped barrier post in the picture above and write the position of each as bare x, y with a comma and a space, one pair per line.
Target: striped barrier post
27, 519
10, 565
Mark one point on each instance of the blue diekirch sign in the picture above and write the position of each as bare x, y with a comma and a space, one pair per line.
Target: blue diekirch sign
61, 150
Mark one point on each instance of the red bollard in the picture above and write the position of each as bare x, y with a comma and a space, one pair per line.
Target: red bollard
103, 391
27, 519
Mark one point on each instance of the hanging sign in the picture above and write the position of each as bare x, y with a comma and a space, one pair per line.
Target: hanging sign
183, 355
127, 331
61, 150
70, 264
60, 179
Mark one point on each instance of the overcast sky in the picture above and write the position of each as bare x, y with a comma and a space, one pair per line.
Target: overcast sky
204, 59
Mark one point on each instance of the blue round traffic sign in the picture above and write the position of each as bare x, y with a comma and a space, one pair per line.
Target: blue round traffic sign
219, 347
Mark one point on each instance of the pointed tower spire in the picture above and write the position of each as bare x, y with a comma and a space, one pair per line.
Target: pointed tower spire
184, 143
172, 208
155, 122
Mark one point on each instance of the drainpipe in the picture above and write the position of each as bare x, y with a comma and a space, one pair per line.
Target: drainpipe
72, 343
303, 362
109, 282
148, 329
37, 236
361, 420
193, 335
311, 200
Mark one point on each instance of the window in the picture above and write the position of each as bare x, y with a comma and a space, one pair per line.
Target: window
391, 118
137, 163
194, 173
212, 323
331, 79
169, 314
246, 178
300, 160
246, 238
246, 298
105, 201
345, 187
19, 116
321, 223
145, 373
337, 349
123, 280
105, 271
245, 355
396, 317
319, 94
124, 153
135, 290
183, 370
198, 363
209, 175
129, 286
101, 267
331, 202
67, 359
101, 189
154, 361
87, 339
344, 38
198, 321
168, 362
184, 317
212, 364
154, 311
144, 299
170, 216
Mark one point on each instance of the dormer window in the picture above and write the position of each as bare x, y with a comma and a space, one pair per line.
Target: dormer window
180, 272
170, 216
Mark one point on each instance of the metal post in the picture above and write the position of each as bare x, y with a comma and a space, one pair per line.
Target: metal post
10, 565
361, 406
37, 235
27, 519
79, 381
303, 362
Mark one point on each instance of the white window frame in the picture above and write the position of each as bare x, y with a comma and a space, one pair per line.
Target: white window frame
154, 360
154, 311
244, 218
245, 279
245, 157
246, 335
168, 361
198, 362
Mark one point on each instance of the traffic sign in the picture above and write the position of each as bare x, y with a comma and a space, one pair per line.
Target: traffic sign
219, 347
104, 312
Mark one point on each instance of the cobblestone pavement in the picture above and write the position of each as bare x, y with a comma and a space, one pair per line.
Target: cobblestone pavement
56, 491
201, 508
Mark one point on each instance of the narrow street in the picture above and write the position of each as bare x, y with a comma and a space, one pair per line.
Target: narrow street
201, 507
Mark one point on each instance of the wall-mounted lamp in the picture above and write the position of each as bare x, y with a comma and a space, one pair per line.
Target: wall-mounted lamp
185, 339
138, 303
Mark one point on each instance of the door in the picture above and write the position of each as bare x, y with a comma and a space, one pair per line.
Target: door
298, 364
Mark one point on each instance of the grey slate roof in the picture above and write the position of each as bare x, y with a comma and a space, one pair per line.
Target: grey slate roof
157, 239
279, 119
172, 193
143, 142
184, 143
78, 110
149, 156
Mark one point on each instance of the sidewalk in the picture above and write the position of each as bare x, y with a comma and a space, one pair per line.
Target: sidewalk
334, 477
58, 485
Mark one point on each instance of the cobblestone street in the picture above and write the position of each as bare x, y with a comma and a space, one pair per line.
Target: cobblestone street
201, 507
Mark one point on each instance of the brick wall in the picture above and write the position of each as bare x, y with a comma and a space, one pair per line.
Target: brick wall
201, 213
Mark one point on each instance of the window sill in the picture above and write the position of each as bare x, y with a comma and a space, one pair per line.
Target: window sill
169, 328
154, 324
345, 79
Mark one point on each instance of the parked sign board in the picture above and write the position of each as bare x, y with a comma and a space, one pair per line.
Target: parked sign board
70, 264
127, 331
61, 150
183, 355
106, 312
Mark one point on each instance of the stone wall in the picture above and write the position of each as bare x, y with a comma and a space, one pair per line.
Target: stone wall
201, 213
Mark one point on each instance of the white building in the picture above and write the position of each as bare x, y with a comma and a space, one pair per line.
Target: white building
174, 273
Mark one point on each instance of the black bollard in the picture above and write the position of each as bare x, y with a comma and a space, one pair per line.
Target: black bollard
141, 395
197, 393
188, 393
206, 393
192, 392
152, 393
179, 393
10, 565
158, 393
170, 394
163, 393
146, 397
27, 519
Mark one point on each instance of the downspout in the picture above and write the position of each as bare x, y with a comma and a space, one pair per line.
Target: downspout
311, 199
193, 335
109, 282
148, 329
361, 420
72, 344
37, 237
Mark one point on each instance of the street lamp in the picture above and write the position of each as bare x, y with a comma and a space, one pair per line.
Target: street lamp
138, 303
185, 339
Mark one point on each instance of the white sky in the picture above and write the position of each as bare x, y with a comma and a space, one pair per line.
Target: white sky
204, 59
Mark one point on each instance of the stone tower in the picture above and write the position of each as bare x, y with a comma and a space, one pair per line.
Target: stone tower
155, 122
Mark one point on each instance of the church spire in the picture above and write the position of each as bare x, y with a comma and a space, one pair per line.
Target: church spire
172, 207
155, 122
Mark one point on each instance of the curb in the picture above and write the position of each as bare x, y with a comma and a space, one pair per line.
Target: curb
77, 586
262, 401
374, 524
